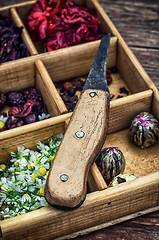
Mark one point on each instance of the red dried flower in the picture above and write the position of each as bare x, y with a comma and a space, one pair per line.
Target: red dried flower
62, 24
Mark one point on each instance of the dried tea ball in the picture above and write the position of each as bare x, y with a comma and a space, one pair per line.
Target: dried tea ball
144, 130
121, 178
110, 162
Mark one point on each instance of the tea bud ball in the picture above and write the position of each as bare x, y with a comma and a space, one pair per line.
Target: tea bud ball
110, 162
144, 130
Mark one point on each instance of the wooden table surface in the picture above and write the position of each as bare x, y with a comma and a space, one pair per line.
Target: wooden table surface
138, 23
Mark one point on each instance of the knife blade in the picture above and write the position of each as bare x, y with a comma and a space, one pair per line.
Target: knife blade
66, 185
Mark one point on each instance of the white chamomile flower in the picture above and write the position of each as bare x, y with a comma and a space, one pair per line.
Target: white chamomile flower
22, 163
31, 189
24, 151
3, 180
32, 158
4, 187
22, 184
40, 145
3, 198
22, 211
12, 169
43, 160
25, 198
3, 119
43, 201
43, 116
7, 213
47, 166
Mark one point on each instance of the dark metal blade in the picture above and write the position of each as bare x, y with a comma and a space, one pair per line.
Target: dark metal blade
97, 76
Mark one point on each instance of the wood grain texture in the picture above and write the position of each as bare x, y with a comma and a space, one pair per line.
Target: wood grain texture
137, 21
25, 36
99, 207
74, 159
52, 99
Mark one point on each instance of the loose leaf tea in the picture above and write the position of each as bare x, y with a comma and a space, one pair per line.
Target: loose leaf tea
11, 44
62, 24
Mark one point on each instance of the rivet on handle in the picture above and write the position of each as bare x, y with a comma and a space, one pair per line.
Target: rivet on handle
64, 177
92, 94
80, 134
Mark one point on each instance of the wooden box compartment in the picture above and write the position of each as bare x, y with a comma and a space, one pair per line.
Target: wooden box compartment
19, 13
103, 206
22, 12
17, 77
10, 13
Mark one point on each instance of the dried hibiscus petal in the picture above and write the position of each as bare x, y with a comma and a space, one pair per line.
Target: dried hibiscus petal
62, 24
28, 107
11, 44
14, 111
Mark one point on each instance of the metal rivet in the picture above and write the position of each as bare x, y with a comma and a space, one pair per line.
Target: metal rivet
80, 134
64, 177
92, 94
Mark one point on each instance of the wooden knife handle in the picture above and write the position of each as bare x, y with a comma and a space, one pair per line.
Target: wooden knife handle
66, 184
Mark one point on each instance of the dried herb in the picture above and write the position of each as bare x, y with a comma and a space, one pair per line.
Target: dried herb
26, 107
11, 44
62, 24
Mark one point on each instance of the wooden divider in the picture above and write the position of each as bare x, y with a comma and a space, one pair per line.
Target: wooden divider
25, 36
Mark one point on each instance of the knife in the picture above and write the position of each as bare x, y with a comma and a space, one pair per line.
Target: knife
66, 185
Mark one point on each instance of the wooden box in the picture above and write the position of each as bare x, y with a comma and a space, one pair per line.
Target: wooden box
103, 206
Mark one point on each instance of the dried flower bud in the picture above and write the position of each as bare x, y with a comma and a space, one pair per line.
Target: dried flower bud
110, 162
144, 130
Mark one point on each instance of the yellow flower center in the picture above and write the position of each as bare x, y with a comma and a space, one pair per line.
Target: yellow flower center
29, 166
3, 166
2, 124
3, 187
17, 214
16, 163
12, 174
33, 177
26, 194
41, 191
37, 162
42, 171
